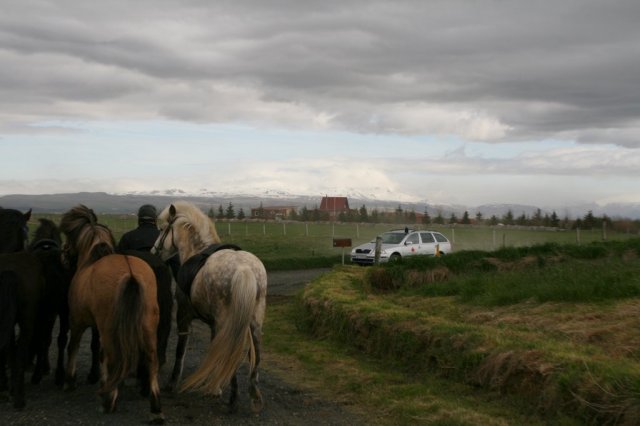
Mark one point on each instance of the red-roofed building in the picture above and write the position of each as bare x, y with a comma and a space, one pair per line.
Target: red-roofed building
334, 206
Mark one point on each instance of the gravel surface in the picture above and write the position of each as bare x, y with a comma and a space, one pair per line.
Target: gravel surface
285, 403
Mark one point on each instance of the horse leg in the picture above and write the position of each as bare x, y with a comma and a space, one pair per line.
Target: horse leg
3, 371
183, 319
233, 398
41, 344
257, 402
74, 345
62, 343
109, 396
94, 373
152, 366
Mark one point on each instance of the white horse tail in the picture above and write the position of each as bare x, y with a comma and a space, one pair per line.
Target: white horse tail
233, 336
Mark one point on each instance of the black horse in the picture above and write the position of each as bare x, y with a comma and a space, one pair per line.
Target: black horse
13, 230
22, 287
47, 246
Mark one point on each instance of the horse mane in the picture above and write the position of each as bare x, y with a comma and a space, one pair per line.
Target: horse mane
47, 230
190, 216
85, 235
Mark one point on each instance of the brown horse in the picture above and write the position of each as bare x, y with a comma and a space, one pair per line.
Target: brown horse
22, 289
117, 295
228, 293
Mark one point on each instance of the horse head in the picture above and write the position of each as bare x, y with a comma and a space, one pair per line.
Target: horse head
184, 229
86, 238
46, 236
14, 231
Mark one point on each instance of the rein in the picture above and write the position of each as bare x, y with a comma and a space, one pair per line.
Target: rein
160, 244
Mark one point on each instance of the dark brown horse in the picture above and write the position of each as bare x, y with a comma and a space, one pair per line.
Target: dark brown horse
13, 230
47, 246
21, 292
117, 295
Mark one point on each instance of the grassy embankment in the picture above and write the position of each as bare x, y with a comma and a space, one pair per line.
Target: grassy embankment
547, 333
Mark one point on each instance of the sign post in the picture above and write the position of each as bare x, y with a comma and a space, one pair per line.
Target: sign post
342, 243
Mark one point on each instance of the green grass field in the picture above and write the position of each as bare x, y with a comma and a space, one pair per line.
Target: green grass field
274, 241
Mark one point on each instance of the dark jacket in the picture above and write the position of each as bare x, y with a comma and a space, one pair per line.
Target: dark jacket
141, 238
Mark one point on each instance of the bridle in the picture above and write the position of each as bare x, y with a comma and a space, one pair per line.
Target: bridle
159, 246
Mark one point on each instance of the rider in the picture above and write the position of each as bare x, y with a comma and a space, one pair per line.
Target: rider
145, 235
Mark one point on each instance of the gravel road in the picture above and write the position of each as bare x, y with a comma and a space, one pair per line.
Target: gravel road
285, 403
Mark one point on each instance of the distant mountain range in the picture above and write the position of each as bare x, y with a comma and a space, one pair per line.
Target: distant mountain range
128, 203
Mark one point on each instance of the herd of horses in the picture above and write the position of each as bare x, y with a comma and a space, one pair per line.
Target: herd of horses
126, 299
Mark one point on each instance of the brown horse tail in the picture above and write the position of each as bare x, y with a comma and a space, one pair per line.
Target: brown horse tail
9, 283
233, 336
127, 331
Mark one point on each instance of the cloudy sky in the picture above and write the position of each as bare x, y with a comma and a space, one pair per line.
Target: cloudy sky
466, 102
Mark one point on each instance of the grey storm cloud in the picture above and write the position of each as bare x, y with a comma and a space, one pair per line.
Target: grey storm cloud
482, 70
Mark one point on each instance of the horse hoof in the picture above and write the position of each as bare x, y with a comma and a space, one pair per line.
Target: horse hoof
257, 403
156, 419
257, 406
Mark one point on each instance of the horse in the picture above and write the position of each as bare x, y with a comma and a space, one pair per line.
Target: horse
47, 246
13, 230
22, 288
228, 293
116, 294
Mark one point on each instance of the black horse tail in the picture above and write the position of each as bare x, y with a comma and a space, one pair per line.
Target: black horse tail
9, 283
127, 332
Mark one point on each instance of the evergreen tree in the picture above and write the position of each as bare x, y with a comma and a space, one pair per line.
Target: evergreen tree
554, 220
589, 221
375, 216
439, 219
220, 214
241, 214
479, 217
453, 218
230, 212
493, 220
537, 218
211, 213
426, 219
465, 218
507, 219
363, 215
305, 215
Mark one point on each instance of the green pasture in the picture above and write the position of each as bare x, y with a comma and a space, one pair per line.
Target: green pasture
273, 240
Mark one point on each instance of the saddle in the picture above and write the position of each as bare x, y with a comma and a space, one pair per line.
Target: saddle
192, 266
45, 245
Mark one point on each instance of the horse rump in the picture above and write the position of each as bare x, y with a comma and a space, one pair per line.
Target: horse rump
233, 335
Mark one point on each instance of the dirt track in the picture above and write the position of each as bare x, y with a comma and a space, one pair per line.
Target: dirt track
285, 404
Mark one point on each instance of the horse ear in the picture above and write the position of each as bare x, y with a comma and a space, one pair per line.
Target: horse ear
172, 211
27, 216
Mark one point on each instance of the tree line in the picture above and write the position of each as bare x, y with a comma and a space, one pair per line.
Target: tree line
407, 217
